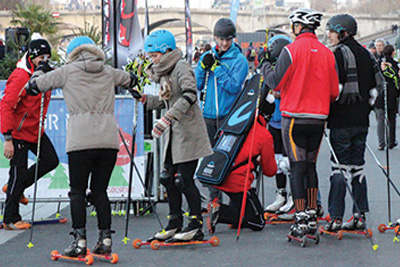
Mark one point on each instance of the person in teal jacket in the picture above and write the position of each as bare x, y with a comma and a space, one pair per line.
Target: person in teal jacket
220, 76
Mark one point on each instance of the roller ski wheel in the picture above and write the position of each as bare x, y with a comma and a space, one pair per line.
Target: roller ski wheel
155, 244
88, 259
397, 230
113, 258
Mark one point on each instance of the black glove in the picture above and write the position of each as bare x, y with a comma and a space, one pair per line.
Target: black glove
44, 66
135, 93
31, 88
134, 82
208, 61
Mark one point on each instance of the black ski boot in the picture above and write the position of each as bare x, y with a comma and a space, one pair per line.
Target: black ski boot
356, 224
312, 221
104, 243
174, 226
300, 226
193, 232
78, 246
334, 225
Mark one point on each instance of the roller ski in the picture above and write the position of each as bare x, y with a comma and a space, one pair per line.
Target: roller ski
392, 226
191, 235
174, 226
77, 250
44, 221
102, 249
302, 229
356, 225
286, 218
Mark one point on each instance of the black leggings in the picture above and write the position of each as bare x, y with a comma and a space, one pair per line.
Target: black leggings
185, 172
22, 177
98, 164
302, 140
253, 216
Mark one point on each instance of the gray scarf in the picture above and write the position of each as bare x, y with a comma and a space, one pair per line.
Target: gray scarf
350, 94
159, 73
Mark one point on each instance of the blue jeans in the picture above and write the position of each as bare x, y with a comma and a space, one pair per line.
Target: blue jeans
349, 147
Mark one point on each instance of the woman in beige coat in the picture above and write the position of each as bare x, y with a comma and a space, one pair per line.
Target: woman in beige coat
92, 136
183, 129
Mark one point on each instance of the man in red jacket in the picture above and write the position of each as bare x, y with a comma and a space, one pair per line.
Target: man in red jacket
20, 115
263, 151
306, 76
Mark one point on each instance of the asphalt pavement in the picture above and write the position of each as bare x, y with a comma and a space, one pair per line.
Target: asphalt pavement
266, 248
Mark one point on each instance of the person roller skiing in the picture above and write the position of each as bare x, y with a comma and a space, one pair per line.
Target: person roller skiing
348, 121
220, 75
233, 185
92, 142
20, 116
305, 74
183, 130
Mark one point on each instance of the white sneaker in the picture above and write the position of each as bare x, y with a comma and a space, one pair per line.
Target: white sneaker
279, 201
287, 207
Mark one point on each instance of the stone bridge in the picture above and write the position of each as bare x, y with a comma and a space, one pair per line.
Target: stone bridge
203, 20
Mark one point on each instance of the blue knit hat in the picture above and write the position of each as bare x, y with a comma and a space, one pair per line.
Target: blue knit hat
78, 41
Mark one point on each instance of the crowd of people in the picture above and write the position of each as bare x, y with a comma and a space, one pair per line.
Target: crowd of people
307, 85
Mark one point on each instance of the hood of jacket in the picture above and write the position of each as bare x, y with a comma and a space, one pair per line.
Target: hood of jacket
88, 58
25, 64
232, 52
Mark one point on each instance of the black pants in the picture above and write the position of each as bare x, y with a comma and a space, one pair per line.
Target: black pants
302, 139
253, 216
98, 164
22, 177
185, 172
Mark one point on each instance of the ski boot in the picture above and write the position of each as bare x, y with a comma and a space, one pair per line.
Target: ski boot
279, 201
192, 232
174, 226
334, 225
213, 215
104, 243
312, 221
356, 224
78, 247
299, 229
287, 207
320, 211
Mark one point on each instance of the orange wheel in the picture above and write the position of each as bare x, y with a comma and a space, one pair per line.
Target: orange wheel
214, 241
369, 231
340, 235
382, 228
137, 243
328, 218
89, 260
397, 229
54, 254
63, 220
114, 258
155, 244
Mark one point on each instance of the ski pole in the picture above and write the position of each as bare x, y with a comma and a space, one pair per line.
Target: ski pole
242, 211
204, 94
374, 246
383, 170
387, 151
30, 244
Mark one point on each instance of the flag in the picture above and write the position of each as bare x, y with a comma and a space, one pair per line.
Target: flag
146, 21
234, 10
189, 36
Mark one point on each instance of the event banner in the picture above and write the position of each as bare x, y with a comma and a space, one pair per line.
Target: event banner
55, 185
234, 10
189, 37
126, 30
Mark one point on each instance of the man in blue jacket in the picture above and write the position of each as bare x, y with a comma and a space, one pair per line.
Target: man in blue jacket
220, 76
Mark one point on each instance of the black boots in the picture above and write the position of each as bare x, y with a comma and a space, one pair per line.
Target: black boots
78, 246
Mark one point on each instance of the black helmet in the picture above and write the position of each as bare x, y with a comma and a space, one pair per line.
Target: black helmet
275, 46
397, 42
225, 28
342, 23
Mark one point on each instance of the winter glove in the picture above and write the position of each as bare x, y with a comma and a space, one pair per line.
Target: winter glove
44, 66
161, 125
208, 61
32, 89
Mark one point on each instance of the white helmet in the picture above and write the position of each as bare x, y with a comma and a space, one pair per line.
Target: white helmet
308, 17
